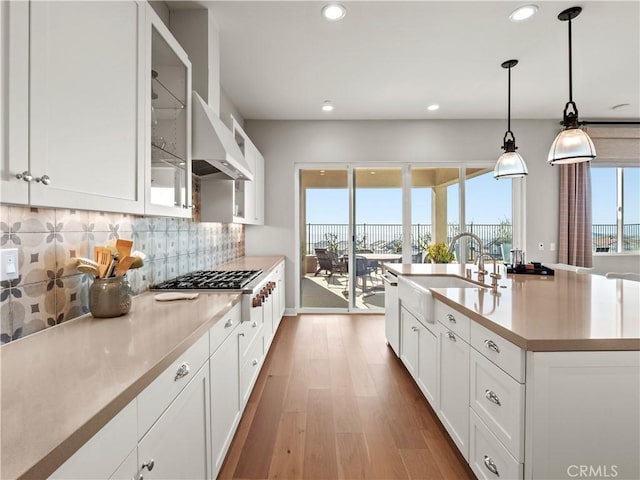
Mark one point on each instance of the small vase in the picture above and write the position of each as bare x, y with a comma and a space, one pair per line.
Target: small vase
110, 297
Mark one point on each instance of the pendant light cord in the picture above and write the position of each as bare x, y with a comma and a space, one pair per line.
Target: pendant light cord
509, 104
570, 64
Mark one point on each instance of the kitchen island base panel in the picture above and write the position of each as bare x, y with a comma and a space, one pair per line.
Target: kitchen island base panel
582, 409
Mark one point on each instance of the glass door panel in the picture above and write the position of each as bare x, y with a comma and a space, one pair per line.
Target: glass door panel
324, 212
377, 232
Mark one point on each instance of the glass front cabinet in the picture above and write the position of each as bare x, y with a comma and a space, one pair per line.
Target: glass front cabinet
168, 125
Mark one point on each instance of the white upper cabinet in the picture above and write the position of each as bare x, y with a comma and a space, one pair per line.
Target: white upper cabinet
167, 98
74, 105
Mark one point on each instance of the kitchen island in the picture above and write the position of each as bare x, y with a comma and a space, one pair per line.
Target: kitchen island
540, 379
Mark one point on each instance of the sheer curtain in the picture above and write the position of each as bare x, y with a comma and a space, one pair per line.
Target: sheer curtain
574, 247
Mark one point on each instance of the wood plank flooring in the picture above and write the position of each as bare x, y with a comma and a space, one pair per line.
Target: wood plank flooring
333, 402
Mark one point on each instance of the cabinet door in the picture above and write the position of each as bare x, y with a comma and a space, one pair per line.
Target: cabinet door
178, 442
258, 182
14, 101
428, 364
453, 408
409, 333
167, 99
225, 398
268, 316
85, 107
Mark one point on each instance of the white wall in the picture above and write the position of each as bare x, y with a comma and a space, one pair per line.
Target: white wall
227, 108
285, 143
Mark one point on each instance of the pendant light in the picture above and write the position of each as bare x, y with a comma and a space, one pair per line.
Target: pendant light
510, 164
572, 145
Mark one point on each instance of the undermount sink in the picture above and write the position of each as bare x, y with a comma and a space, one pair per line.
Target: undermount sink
442, 281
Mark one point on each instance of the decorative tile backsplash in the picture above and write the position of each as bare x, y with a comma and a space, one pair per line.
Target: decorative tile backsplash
50, 290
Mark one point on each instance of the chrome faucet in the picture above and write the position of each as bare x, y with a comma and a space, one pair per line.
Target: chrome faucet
495, 276
480, 251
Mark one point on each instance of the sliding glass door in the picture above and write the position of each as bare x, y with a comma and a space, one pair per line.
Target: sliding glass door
353, 219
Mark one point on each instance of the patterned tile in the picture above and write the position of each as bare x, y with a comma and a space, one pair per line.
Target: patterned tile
5, 222
6, 319
183, 264
171, 266
158, 272
173, 244
33, 308
193, 262
73, 245
173, 224
102, 221
72, 220
183, 242
72, 300
31, 220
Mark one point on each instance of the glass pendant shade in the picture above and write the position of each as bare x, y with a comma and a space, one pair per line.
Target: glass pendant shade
510, 165
572, 145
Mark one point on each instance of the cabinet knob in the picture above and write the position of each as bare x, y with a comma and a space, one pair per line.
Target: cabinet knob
451, 336
254, 324
492, 397
491, 466
44, 179
241, 334
183, 371
148, 465
26, 176
255, 362
451, 318
491, 345
228, 323
187, 206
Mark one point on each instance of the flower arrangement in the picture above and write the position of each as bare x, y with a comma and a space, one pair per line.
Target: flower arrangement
439, 253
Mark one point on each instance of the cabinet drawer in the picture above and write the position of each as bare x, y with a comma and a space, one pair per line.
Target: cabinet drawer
248, 333
249, 369
453, 320
499, 401
223, 327
487, 456
156, 397
503, 353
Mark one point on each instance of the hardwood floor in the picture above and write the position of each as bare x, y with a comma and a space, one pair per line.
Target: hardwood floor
333, 402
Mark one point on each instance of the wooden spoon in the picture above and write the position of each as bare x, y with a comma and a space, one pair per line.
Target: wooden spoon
123, 265
103, 257
123, 247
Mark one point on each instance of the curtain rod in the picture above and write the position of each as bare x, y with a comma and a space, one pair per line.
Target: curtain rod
587, 122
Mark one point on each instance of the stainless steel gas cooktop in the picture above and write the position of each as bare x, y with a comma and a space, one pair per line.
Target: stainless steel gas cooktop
210, 280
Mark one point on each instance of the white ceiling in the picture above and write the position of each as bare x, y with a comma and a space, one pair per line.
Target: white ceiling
390, 59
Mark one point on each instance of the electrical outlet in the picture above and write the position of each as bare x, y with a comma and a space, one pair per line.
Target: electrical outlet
541, 246
552, 247
9, 264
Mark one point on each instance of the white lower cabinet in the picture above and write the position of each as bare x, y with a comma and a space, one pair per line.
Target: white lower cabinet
101, 456
177, 446
409, 341
225, 400
129, 465
428, 351
488, 458
453, 405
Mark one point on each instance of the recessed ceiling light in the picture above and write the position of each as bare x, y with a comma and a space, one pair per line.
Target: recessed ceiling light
334, 12
620, 106
326, 106
522, 13
433, 108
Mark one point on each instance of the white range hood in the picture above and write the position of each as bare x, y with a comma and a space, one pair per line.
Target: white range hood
214, 151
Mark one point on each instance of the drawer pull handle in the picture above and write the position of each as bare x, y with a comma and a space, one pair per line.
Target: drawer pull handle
183, 371
488, 462
451, 336
451, 318
255, 362
148, 465
241, 334
26, 176
415, 329
492, 397
229, 323
491, 345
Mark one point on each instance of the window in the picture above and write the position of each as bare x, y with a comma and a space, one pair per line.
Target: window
615, 205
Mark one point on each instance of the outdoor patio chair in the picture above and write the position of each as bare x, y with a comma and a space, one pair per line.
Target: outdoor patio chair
329, 262
363, 270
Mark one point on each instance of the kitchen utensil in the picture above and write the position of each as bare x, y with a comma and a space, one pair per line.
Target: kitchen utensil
88, 269
517, 257
124, 264
124, 248
87, 262
103, 258
110, 297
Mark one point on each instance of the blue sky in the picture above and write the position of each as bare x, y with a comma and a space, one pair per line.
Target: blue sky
488, 201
